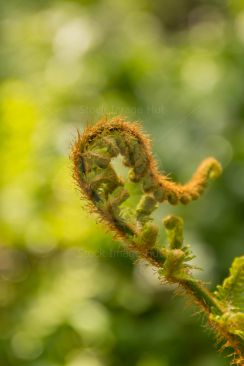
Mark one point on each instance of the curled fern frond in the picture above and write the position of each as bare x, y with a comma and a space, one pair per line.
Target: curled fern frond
104, 190
106, 195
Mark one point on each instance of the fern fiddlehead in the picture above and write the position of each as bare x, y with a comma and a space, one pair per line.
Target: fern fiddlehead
105, 194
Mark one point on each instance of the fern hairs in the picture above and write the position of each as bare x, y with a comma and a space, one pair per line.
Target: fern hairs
105, 194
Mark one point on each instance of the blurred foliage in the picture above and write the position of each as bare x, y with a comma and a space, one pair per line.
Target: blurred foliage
68, 294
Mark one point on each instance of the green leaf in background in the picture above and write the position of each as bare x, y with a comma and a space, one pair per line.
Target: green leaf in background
231, 293
232, 290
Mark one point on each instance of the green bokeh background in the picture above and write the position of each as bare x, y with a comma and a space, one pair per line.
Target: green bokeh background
69, 296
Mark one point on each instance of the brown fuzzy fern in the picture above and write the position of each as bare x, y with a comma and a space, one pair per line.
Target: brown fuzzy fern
105, 193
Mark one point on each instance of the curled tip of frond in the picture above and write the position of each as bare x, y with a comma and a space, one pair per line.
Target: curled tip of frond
173, 222
210, 168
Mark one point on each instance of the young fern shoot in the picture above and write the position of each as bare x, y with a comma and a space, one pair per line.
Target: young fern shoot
105, 192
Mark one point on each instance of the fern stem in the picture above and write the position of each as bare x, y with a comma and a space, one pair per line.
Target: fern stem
208, 303
202, 295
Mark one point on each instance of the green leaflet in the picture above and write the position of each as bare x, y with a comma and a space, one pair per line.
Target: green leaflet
232, 290
174, 227
231, 295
